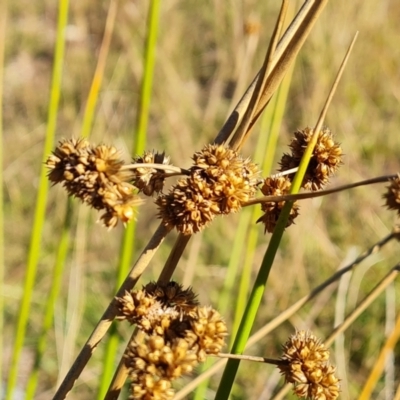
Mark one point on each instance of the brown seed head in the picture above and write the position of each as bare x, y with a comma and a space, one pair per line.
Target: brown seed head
325, 160
307, 367
94, 175
392, 195
278, 186
178, 334
219, 183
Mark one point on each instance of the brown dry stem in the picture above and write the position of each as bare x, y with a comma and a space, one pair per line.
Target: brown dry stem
110, 313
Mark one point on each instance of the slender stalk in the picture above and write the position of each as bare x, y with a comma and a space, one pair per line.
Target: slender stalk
93, 95
41, 200
3, 21
265, 154
121, 372
167, 168
239, 136
139, 145
49, 310
244, 357
311, 195
110, 313
269, 257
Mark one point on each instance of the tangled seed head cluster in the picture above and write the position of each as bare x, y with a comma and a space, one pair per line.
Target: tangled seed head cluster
307, 367
219, 183
149, 180
278, 186
94, 175
325, 160
179, 335
392, 195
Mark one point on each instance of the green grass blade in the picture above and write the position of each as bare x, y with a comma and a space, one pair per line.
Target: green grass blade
62, 251
259, 287
265, 155
139, 146
49, 311
41, 200
3, 20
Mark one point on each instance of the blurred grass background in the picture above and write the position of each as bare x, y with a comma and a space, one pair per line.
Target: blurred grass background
207, 53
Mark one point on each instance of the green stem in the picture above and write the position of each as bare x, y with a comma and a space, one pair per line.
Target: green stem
50, 303
41, 200
139, 146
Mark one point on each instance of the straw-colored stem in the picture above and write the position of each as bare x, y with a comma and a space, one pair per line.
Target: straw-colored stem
283, 57
238, 138
110, 313
379, 364
173, 258
139, 145
121, 372
364, 304
41, 200
244, 357
164, 167
165, 276
99, 71
311, 195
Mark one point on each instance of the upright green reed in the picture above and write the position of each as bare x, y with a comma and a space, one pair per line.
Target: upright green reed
41, 200
258, 290
139, 146
64, 241
3, 18
246, 236
264, 155
56, 282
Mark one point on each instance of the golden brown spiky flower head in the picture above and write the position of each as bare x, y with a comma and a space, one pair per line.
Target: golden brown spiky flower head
149, 180
95, 176
325, 160
276, 186
220, 181
306, 365
392, 195
178, 335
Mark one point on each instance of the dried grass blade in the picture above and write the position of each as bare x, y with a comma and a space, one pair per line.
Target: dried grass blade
238, 138
110, 313
283, 57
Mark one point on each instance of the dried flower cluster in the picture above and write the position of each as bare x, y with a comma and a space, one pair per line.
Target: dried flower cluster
307, 367
94, 175
392, 195
325, 159
179, 335
219, 183
278, 186
149, 180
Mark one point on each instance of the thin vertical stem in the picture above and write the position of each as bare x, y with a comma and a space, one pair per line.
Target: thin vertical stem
41, 199
139, 145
